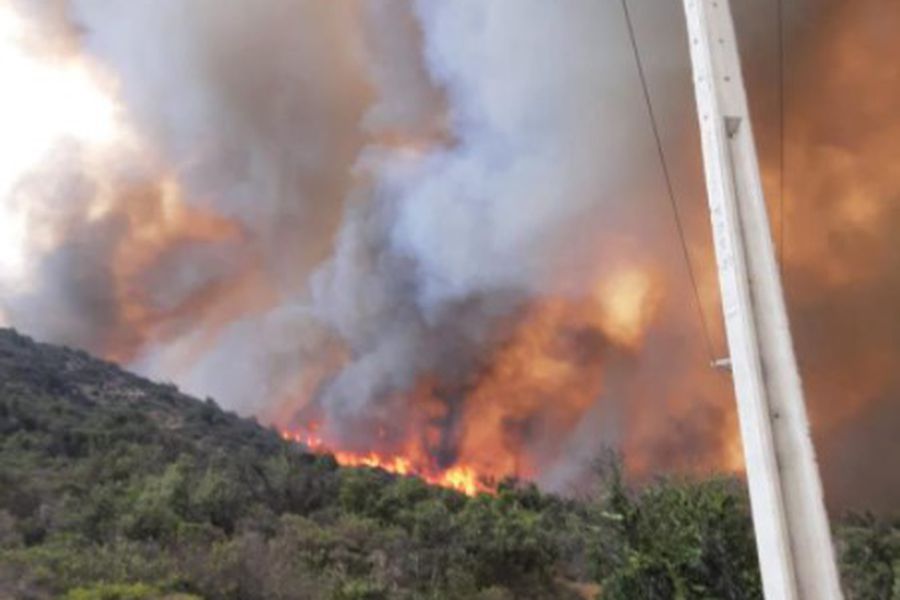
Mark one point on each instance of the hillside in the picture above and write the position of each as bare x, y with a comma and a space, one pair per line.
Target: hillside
112, 486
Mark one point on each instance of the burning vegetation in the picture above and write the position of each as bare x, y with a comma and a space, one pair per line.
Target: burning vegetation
460, 478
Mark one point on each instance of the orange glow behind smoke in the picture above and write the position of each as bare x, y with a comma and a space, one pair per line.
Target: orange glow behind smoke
159, 222
551, 371
843, 212
629, 299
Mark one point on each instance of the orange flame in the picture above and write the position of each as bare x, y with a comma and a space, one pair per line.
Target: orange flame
461, 478
547, 374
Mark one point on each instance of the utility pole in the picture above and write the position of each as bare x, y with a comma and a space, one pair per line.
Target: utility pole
796, 556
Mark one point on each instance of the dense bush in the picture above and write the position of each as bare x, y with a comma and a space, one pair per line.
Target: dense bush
870, 557
676, 540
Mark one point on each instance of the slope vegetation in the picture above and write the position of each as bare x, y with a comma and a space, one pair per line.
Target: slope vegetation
112, 486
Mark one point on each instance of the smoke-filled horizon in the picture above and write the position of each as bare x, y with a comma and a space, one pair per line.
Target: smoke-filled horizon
438, 230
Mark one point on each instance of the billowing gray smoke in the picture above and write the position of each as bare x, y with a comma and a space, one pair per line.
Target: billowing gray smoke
447, 236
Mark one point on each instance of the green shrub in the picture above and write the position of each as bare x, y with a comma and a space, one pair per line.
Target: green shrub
114, 591
870, 558
676, 539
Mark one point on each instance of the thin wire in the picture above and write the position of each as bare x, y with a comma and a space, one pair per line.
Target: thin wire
668, 178
781, 149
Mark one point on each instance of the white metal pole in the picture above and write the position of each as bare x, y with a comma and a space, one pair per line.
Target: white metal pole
796, 556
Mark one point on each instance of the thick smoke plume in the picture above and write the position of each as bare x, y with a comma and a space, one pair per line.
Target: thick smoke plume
436, 229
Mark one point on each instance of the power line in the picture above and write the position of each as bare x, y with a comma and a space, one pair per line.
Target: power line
781, 148
670, 190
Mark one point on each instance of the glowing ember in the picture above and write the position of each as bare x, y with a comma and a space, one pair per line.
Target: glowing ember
459, 477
